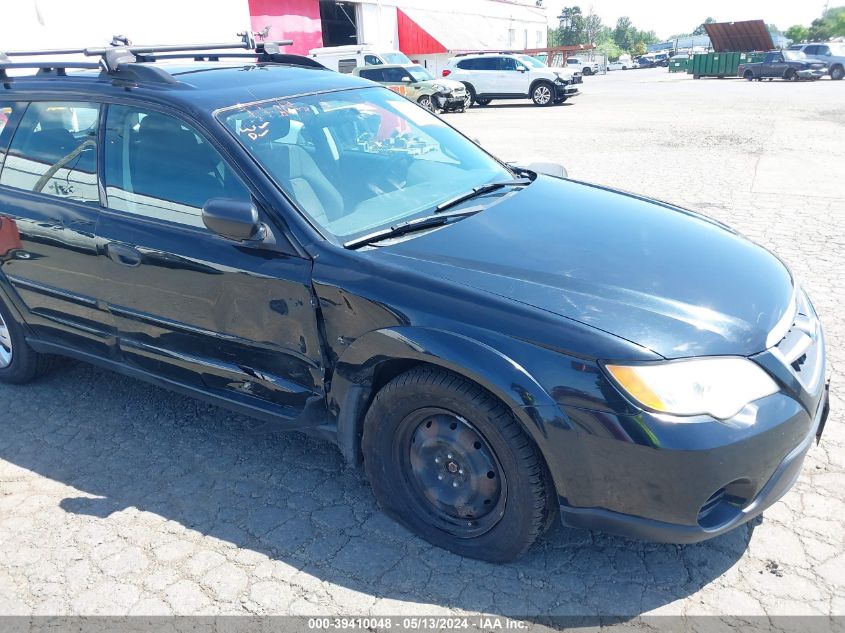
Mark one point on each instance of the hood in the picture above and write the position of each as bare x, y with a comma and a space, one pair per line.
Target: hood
566, 73
667, 279
449, 83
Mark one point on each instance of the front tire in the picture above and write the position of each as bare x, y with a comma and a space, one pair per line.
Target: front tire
426, 102
19, 363
543, 94
837, 73
451, 463
790, 75
587, 71
470, 96
483, 102
749, 75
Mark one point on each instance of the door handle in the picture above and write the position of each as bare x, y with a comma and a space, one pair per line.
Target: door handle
123, 255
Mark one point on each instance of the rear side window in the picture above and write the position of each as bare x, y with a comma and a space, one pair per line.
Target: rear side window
54, 151
373, 74
467, 64
7, 109
5, 114
158, 167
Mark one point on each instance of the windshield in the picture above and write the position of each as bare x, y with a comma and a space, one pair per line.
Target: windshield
794, 55
395, 58
356, 161
419, 73
531, 62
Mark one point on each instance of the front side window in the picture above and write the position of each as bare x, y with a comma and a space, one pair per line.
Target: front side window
376, 158
418, 73
531, 62
395, 75
54, 151
507, 63
158, 167
372, 60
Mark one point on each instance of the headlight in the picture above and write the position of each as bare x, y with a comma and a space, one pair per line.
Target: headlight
441, 88
720, 387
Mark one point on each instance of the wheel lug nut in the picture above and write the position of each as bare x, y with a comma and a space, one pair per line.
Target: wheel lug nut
440, 477
436, 460
460, 471
449, 456
454, 484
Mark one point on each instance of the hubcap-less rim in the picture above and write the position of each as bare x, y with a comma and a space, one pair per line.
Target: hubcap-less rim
542, 95
427, 104
452, 473
5, 344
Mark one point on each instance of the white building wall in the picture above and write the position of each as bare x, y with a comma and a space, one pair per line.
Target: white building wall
460, 25
377, 25
29, 24
501, 23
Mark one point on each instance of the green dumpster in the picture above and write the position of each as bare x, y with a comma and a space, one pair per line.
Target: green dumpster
679, 64
719, 64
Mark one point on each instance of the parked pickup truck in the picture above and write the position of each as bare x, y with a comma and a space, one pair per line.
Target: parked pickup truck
789, 65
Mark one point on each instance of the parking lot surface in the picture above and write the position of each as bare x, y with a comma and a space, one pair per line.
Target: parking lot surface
120, 498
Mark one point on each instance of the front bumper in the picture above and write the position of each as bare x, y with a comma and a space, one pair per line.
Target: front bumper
565, 91
726, 512
812, 73
450, 101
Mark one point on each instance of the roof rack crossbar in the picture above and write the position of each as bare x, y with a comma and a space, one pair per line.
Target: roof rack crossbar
44, 68
277, 58
113, 56
122, 60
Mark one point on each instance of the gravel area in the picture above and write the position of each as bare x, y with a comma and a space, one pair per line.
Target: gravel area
120, 498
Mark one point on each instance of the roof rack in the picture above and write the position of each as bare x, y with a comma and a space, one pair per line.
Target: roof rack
465, 53
124, 61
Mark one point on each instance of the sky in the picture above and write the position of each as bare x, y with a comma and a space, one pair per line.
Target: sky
682, 16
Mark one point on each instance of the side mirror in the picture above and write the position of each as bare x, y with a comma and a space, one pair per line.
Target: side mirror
233, 219
549, 169
521, 69
407, 80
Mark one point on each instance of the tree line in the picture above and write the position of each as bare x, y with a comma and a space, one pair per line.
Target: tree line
830, 25
576, 28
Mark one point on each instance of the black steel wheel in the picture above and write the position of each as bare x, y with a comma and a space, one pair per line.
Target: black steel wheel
450, 462
451, 472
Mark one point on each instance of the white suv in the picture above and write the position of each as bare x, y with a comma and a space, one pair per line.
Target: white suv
489, 76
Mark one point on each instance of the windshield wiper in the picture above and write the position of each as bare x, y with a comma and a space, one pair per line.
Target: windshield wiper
481, 190
418, 224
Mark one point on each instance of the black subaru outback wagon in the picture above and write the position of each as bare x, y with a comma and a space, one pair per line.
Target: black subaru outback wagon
494, 345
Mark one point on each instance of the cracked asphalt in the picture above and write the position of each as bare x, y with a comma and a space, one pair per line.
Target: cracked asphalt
120, 498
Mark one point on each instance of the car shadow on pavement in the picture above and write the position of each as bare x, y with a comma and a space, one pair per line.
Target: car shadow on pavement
510, 105
176, 477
